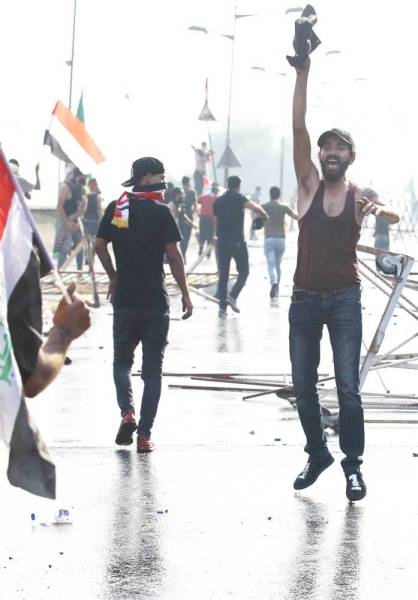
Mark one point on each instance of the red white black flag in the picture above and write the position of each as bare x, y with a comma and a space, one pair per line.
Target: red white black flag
22, 259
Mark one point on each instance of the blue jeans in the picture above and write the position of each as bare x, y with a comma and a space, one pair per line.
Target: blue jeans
273, 249
131, 326
381, 241
226, 252
340, 311
71, 240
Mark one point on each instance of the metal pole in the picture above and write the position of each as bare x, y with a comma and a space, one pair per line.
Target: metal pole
384, 321
72, 56
284, 90
282, 149
228, 123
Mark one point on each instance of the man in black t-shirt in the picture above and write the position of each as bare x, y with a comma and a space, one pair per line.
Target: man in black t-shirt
229, 225
141, 230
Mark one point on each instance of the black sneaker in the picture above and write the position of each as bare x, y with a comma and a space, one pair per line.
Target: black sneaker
233, 304
356, 488
222, 313
274, 291
311, 472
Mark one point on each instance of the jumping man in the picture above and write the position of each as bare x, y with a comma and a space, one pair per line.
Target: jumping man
327, 291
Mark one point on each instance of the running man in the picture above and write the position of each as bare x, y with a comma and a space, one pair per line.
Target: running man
274, 237
229, 225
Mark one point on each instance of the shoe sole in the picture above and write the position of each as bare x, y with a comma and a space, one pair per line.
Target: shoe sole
124, 437
303, 487
360, 496
352, 500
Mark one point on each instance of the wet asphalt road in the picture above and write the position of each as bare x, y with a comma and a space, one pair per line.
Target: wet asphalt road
212, 513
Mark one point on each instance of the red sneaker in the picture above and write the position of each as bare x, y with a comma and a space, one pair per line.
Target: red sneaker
144, 444
126, 428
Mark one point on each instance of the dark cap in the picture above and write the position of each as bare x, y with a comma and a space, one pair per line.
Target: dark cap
144, 166
344, 136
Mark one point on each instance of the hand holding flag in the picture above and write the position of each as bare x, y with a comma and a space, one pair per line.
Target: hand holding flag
23, 258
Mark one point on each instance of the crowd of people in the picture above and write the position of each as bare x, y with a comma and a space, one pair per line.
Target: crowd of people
80, 209
153, 224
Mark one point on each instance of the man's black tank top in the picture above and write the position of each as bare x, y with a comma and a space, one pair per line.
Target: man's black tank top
73, 204
327, 258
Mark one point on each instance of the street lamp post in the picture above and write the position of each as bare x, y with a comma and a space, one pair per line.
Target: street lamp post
71, 62
228, 158
231, 76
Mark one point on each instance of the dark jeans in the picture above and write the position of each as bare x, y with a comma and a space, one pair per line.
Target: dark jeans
206, 231
226, 251
340, 311
131, 326
185, 230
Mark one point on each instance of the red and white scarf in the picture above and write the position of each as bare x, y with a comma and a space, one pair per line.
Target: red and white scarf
121, 213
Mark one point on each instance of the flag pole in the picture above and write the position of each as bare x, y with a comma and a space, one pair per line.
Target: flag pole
72, 55
58, 281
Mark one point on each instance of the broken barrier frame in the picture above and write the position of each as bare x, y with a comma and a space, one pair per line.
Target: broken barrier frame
372, 361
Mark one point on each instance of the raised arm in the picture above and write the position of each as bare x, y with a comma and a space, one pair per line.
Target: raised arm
307, 175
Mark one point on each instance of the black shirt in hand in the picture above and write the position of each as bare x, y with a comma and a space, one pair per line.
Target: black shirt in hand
139, 253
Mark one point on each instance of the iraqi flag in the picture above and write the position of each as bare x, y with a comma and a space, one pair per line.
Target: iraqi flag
70, 141
22, 261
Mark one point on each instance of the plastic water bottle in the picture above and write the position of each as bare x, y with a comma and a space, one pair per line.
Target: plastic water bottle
63, 517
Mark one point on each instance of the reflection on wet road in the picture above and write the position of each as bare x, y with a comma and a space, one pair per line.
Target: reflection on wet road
134, 561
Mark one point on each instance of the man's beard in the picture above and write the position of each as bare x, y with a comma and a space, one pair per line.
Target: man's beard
334, 175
